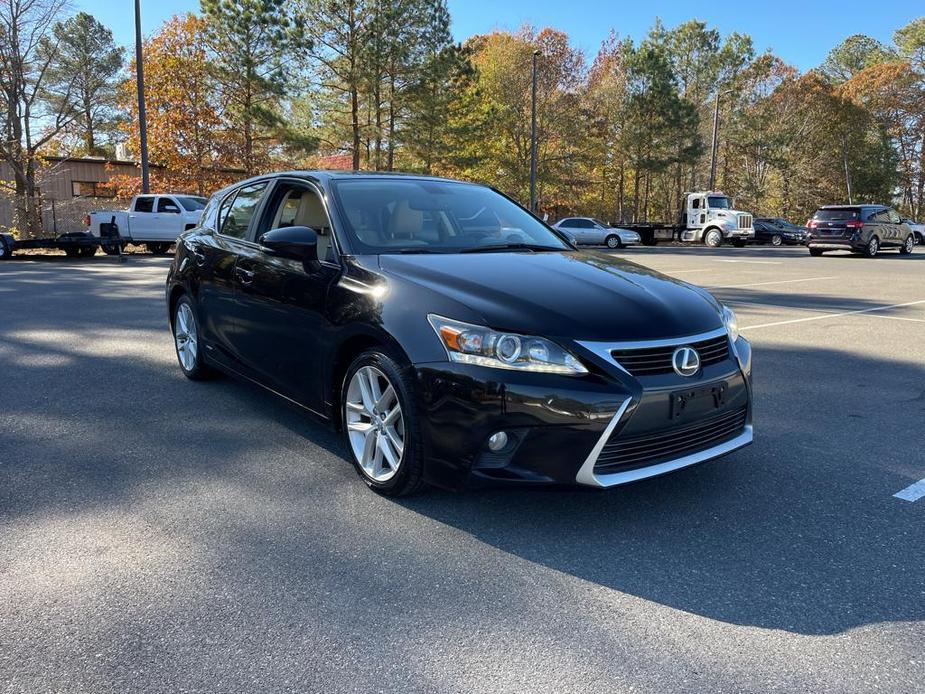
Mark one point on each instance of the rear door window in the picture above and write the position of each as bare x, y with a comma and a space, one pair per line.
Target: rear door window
238, 211
145, 204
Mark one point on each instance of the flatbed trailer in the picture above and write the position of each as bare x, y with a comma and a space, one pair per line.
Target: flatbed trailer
75, 244
653, 232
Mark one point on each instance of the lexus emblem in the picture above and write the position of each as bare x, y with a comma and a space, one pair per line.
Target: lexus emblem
685, 361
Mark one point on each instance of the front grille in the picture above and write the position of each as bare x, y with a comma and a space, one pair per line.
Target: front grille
745, 221
621, 454
651, 361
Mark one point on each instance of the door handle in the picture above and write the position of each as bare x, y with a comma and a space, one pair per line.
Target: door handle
244, 276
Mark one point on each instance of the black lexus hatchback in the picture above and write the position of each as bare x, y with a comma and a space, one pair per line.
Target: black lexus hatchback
454, 338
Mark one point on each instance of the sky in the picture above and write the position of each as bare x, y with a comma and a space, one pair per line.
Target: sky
800, 32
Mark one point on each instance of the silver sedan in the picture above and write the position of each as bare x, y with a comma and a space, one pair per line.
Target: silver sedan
593, 232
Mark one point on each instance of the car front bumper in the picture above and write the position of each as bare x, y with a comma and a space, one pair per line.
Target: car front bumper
561, 428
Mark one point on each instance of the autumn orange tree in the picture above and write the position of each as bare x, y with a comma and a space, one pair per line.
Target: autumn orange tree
187, 137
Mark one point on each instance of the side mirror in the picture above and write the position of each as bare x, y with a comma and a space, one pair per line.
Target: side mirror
298, 243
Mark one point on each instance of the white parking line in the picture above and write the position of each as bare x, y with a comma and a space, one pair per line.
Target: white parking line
913, 492
832, 315
753, 262
761, 284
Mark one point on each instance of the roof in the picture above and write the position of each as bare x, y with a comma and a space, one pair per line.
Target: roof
327, 175
852, 206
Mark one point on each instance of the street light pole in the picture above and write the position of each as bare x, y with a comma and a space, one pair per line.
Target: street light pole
536, 54
140, 85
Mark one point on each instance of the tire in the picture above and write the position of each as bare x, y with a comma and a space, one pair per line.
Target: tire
73, 252
186, 339
613, 241
713, 238
88, 251
908, 245
872, 248
4, 251
777, 240
815, 252
373, 445
111, 248
157, 248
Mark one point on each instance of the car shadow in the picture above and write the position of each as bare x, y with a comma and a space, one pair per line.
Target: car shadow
798, 532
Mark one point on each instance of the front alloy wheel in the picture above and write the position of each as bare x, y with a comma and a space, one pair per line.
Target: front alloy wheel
777, 240
908, 245
375, 423
613, 241
378, 416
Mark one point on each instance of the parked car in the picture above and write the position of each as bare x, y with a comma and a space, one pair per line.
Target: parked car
777, 231
866, 229
588, 231
154, 220
917, 229
453, 337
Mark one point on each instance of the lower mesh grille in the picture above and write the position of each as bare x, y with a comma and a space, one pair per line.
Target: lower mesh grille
629, 453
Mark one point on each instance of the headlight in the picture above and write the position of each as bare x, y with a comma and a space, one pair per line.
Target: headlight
732, 325
475, 344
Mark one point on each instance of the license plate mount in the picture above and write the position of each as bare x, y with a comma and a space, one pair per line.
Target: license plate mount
698, 400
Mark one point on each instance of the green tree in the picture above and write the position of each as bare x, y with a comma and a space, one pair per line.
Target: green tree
252, 47
431, 95
86, 69
853, 55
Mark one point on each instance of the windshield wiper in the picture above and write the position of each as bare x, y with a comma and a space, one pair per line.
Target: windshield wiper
510, 247
413, 251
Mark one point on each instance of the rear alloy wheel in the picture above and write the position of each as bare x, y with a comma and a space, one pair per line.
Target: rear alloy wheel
777, 240
379, 423
613, 241
186, 340
713, 238
873, 247
908, 245
158, 248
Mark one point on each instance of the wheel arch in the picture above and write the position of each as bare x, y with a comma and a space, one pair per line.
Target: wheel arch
343, 355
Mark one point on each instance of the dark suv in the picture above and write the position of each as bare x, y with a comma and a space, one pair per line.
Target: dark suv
866, 229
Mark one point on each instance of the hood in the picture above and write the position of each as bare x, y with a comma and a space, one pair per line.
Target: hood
568, 295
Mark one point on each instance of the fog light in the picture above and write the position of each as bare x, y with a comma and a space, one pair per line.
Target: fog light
497, 441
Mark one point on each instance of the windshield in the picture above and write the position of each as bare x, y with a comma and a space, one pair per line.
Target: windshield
192, 203
718, 202
425, 216
836, 215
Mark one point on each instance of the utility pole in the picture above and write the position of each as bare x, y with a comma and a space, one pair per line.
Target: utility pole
844, 152
536, 55
714, 143
140, 85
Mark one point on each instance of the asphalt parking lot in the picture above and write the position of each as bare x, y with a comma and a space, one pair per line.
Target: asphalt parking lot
163, 535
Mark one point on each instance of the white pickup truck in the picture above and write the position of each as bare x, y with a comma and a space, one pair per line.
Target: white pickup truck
154, 220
